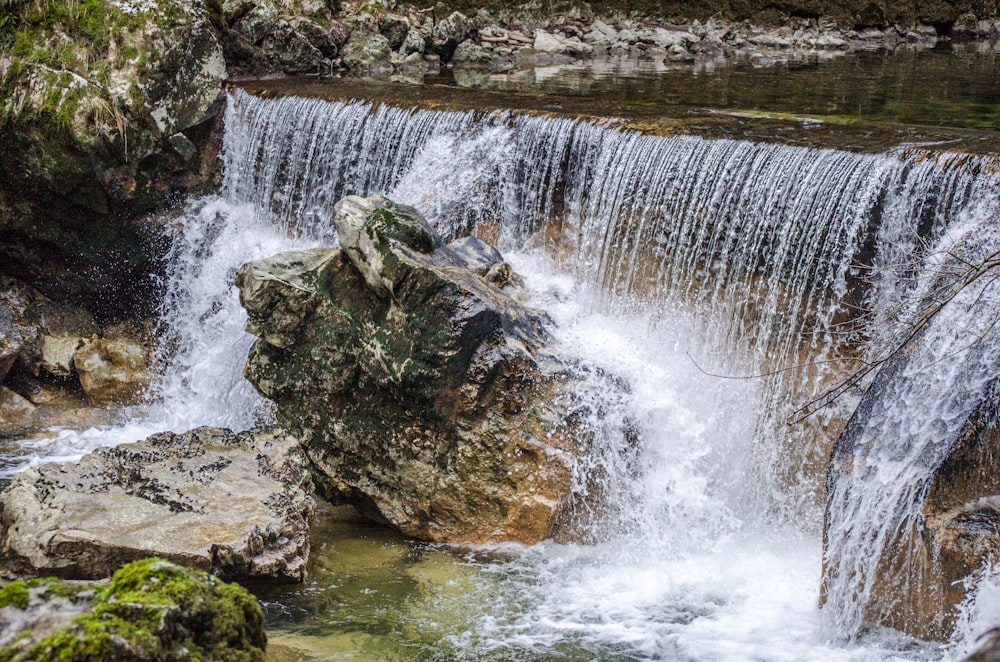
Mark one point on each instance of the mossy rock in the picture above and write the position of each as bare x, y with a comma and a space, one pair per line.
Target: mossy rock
150, 610
91, 94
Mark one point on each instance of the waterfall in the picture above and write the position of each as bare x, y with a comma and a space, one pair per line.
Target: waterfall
667, 260
909, 430
780, 246
788, 256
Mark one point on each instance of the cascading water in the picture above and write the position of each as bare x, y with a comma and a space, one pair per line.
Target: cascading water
919, 414
661, 260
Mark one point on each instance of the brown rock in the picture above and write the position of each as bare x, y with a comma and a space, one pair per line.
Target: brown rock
15, 412
57, 354
423, 391
114, 371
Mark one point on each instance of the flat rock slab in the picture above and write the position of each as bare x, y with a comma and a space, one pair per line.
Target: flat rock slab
235, 504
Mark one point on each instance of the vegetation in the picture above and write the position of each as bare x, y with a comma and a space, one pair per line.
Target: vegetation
151, 610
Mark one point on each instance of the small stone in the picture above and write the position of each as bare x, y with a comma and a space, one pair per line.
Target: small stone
547, 42
15, 411
57, 354
182, 146
470, 53
677, 53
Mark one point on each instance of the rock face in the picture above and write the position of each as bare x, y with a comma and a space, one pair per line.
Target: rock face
989, 651
16, 412
99, 113
150, 610
419, 388
237, 505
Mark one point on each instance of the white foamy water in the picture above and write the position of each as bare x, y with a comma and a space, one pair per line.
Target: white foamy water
203, 343
660, 260
691, 569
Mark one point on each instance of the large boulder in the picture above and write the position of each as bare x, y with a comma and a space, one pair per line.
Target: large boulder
422, 391
238, 505
150, 610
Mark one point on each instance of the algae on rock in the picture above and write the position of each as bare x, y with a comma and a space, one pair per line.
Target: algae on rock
94, 98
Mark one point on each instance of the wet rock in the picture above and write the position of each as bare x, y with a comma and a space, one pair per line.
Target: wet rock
422, 391
16, 412
150, 610
922, 573
547, 42
237, 505
13, 336
182, 146
113, 370
41, 391
57, 354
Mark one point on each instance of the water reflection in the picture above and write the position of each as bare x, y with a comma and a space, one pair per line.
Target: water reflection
862, 101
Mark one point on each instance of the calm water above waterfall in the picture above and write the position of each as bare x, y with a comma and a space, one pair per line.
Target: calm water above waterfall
868, 101
682, 264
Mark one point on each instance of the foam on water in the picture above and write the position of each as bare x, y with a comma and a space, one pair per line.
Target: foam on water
690, 570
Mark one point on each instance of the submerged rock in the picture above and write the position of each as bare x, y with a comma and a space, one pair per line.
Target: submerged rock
150, 610
237, 505
419, 388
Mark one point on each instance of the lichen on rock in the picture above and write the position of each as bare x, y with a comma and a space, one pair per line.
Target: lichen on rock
238, 505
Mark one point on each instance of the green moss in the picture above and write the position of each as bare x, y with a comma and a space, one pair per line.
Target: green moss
15, 594
402, 225
164, 611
